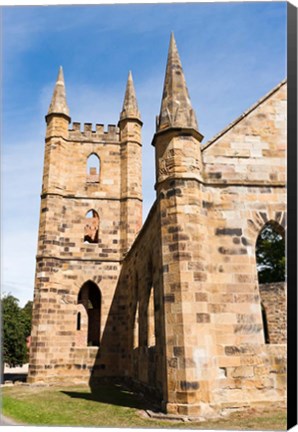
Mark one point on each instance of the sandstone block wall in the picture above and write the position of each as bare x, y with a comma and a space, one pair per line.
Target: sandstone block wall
274, 301
258, 377
214, 348
142, 337
253, 148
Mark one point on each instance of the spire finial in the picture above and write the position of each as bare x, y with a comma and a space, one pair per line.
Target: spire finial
130, 105
58, 103
176, 109
172, 41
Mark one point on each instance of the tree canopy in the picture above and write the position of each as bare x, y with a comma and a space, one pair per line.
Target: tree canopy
27, 317
16, 327
270, 254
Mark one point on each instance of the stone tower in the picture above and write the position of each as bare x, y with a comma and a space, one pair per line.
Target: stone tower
179, 181
91, 212
131, 167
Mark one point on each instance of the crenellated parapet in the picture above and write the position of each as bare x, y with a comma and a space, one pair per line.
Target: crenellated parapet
89, 133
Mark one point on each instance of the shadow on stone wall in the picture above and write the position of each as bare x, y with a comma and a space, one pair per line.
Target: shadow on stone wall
118, 363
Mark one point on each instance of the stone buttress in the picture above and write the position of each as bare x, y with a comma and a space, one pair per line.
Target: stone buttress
188, 346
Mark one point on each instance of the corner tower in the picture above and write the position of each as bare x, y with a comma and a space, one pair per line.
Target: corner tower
179, 188
57, 121
90, 213
130, 126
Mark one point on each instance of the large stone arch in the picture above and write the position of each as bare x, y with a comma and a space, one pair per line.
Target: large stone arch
82, 278
259, 219
89, 301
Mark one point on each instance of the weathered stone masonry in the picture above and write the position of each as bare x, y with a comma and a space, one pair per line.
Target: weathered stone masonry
274, 302
176, 303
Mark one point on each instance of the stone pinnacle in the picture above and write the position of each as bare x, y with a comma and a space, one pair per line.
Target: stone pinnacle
58, 103
176, 109
130, 106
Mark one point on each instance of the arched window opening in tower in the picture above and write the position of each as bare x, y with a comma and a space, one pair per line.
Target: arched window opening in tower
90, 297
91, 227
93, 168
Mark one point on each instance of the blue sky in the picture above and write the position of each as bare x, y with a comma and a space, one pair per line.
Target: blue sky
232, 54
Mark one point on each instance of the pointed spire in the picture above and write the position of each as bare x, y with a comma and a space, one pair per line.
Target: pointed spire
58, 103
176, 109
130, 105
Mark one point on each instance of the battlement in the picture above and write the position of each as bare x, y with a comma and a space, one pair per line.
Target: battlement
98, 134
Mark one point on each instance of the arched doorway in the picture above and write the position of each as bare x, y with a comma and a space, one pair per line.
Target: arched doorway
90, 297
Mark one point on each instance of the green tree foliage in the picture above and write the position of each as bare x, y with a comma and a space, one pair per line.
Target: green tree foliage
16, 326
270, 253
27, 317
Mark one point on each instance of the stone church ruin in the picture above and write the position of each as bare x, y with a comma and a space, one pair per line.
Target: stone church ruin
171, 305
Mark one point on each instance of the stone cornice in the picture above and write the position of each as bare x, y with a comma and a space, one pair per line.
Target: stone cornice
173, 132
46, 194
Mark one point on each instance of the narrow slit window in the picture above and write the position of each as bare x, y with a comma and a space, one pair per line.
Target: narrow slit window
265, 325
79, 321
151, 319
136, 328
135, 323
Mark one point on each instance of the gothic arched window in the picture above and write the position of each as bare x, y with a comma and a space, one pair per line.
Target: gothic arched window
90, 297
93, 168
270, 253
91, 227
